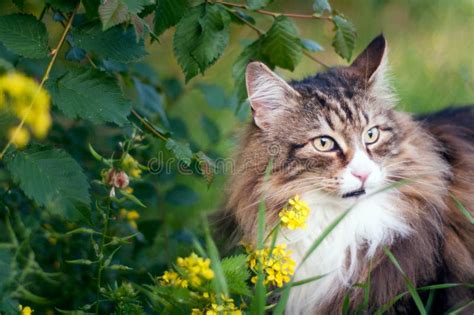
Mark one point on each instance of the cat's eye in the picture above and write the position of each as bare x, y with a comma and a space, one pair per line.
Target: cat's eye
324, 144
372, 135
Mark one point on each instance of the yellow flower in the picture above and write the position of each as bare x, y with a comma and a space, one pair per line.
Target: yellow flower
295, 214
19, 137
131, 216
227, 306
196, 269
277, 265
25, 310
131, 166
173, 279
26, 100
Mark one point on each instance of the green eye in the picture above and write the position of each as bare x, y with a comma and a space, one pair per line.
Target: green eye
372, 135
324, 144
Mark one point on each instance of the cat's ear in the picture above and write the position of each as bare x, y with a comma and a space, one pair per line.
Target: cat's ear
371, 64
268, 94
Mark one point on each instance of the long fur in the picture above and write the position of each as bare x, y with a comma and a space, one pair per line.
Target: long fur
419, 222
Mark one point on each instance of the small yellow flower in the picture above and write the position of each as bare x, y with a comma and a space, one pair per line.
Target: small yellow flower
227, 306
19, 137
295, 214
196, 269
25, 310
131, 216
277, 265
131, 166
173, 279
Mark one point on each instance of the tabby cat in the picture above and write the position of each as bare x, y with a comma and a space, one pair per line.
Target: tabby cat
336, 139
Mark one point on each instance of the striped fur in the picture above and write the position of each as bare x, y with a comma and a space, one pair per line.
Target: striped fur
419, 221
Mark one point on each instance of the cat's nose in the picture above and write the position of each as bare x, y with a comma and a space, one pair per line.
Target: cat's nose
361, 175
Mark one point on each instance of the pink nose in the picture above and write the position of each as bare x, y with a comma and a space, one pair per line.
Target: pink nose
362, 176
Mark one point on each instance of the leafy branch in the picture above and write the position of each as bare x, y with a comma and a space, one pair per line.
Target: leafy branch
54, 55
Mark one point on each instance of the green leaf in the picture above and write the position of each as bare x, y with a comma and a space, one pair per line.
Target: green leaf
5, 267
237, 274
24, 35
52, 178
219, 282
181, 195
63, 5
214, 95
258, 4
116, 44
282, 45
344, 38
136, 6
211, 129
91, 95
168, 13
200, 39
181, 150
321, 6
311, 45
112, 12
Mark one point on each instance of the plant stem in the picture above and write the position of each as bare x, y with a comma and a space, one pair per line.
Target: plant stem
275, 14
54, 55
147, 125
101, 256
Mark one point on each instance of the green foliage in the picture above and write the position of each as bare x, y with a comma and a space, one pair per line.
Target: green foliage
344, 39
169, 13
200, 39
88, 230
24, 35
90, 94
53, 179
117, 43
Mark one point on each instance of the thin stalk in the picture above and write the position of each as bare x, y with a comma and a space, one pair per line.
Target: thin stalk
54, 55
275, 14
148, 126
101, 257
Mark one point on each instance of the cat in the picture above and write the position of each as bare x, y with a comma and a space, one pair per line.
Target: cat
336, 139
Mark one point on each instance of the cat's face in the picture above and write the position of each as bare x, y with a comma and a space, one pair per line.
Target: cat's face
336, 132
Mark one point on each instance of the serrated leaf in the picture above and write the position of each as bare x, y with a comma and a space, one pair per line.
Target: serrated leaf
24, 35
282, 45
112, 12
311, 45
52, 178
321, 6
214, 37
91, 95
181, 150
344, 38
116, 44
200, 39
258, 4
135, 6
168, 13
237, 274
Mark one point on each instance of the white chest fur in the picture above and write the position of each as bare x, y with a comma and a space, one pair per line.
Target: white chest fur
373, 221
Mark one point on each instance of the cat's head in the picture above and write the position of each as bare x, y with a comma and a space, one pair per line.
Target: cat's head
337, 131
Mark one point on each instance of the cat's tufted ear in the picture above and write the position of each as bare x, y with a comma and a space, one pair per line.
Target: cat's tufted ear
268, 94
371, 64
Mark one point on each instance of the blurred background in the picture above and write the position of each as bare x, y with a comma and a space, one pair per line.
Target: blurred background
431, 45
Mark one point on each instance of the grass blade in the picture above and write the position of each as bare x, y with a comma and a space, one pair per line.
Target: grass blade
411, 288
219, 281
463, 209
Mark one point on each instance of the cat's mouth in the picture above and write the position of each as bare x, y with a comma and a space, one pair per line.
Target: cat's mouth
354, 193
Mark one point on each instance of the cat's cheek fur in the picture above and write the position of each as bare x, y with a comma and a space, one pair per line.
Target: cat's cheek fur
374, 222
361, 163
